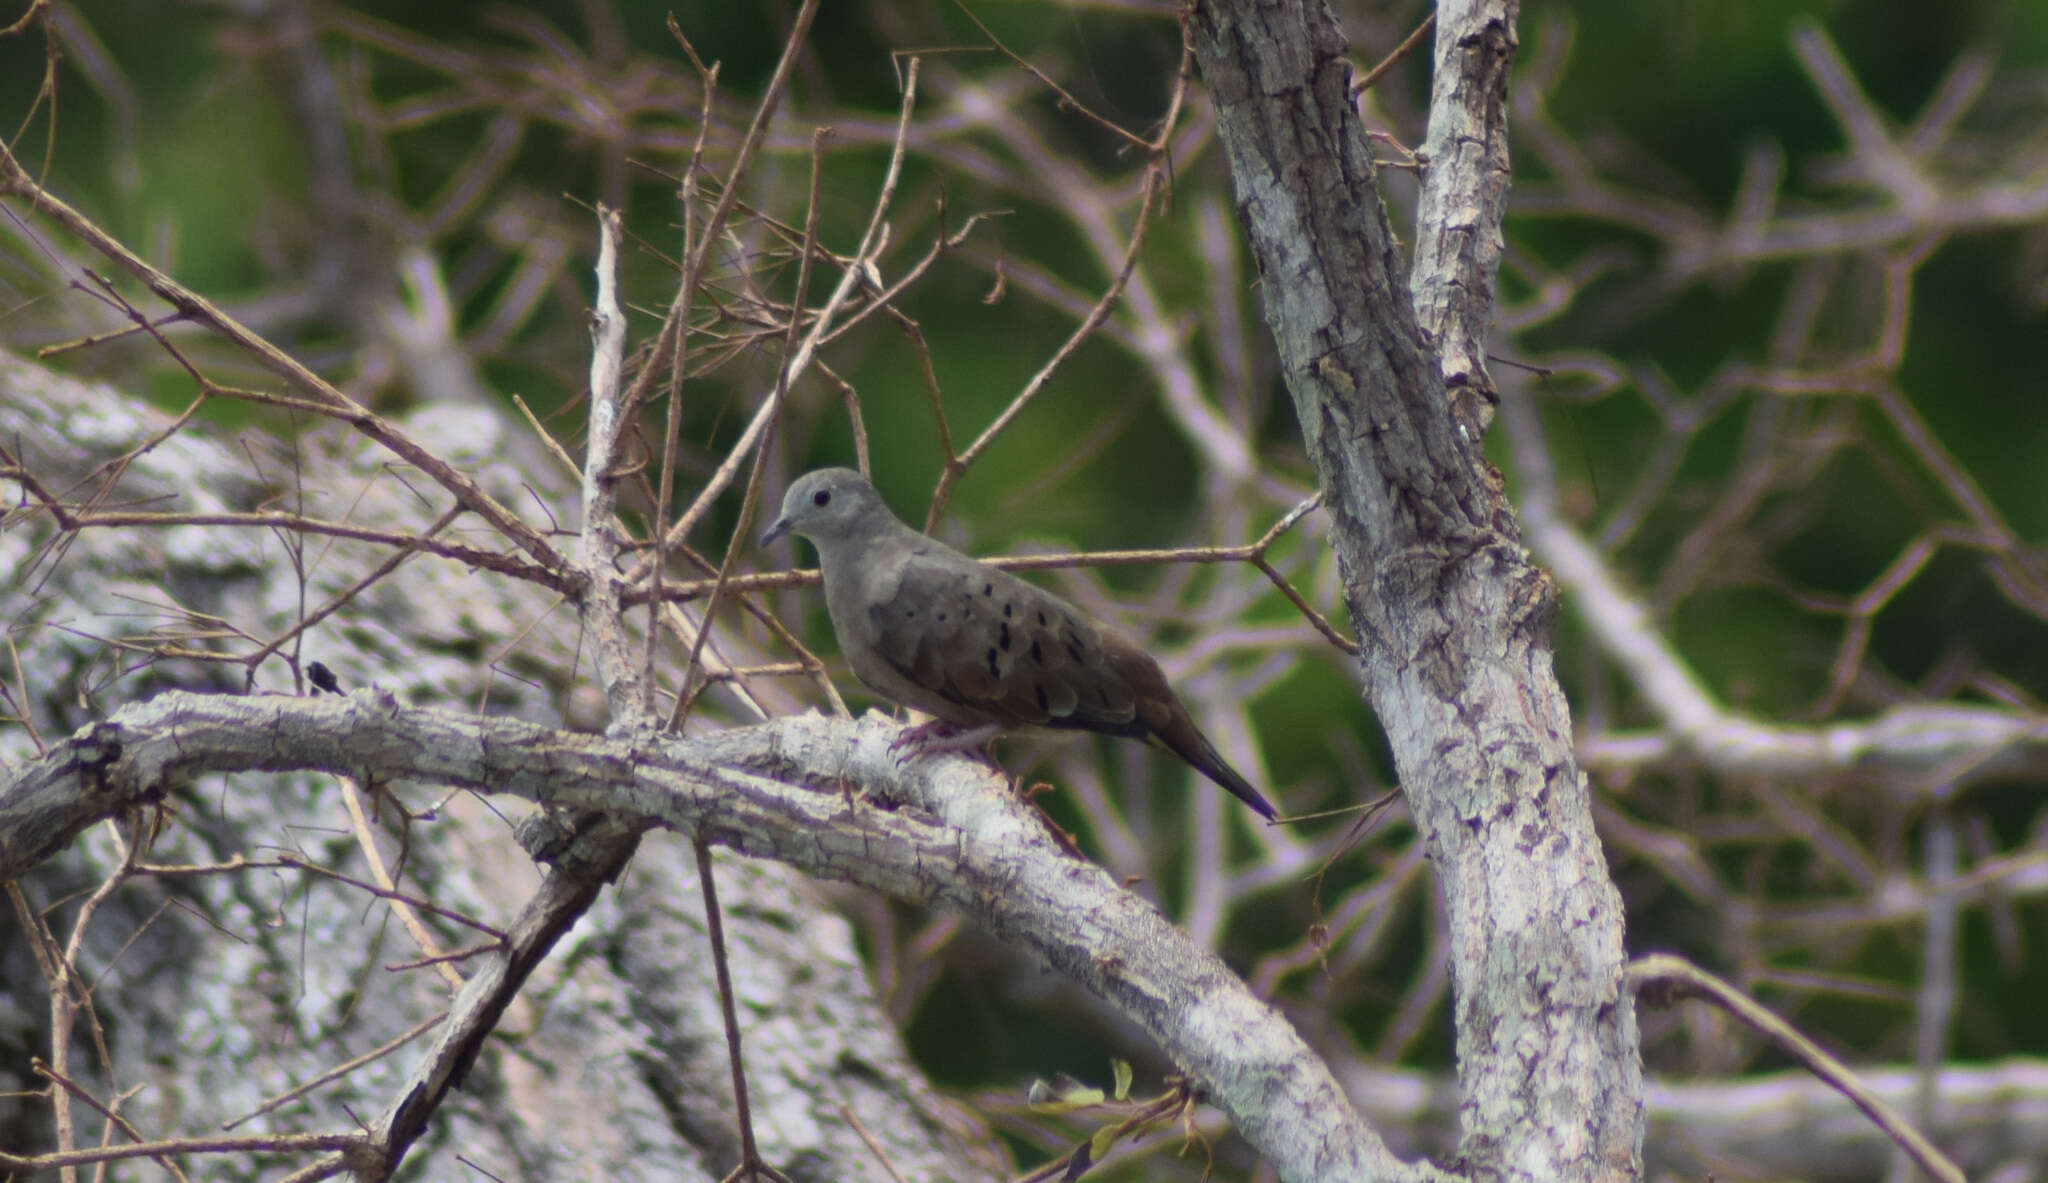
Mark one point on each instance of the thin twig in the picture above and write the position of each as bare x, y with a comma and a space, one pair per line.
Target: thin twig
329, 400
1664, 976
777, 397
714, 930
339, 1070
1407, 46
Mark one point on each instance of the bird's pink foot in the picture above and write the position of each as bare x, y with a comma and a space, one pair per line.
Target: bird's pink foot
940, 736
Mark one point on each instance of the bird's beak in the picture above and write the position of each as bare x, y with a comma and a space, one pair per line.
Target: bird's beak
775, 531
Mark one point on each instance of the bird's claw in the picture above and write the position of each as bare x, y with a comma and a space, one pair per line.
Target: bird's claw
941, 736
916, 739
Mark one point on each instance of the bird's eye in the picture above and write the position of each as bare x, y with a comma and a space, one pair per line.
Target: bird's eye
821, 497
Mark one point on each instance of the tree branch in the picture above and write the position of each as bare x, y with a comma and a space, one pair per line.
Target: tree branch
958, 838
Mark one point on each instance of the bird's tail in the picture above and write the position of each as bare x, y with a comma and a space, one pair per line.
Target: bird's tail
1180, 736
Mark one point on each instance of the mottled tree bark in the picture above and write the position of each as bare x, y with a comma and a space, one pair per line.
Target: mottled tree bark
219, 991
1455, 621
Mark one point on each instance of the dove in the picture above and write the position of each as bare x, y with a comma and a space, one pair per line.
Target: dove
979, 649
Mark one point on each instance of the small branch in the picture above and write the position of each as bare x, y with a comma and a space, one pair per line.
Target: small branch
383, 892
599, 546
251, 1144
1464, 196
777, 397
714, 929
1664, 978
1937, 743
1372, 77
328, 399
339, 1070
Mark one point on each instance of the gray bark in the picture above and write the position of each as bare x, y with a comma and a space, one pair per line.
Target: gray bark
1454, 619
218, 991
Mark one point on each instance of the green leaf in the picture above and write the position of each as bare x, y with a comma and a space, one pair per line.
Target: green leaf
1063, 1095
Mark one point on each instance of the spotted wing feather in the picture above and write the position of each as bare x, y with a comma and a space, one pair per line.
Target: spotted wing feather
999, 650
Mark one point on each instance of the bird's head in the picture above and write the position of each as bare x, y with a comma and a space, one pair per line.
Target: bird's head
828, 506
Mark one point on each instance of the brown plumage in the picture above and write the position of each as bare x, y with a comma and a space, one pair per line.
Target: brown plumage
931, 628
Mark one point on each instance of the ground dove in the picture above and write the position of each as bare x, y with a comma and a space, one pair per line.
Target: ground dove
979, 649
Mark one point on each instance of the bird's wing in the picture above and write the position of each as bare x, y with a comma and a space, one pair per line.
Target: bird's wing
979, 645
1000, 649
